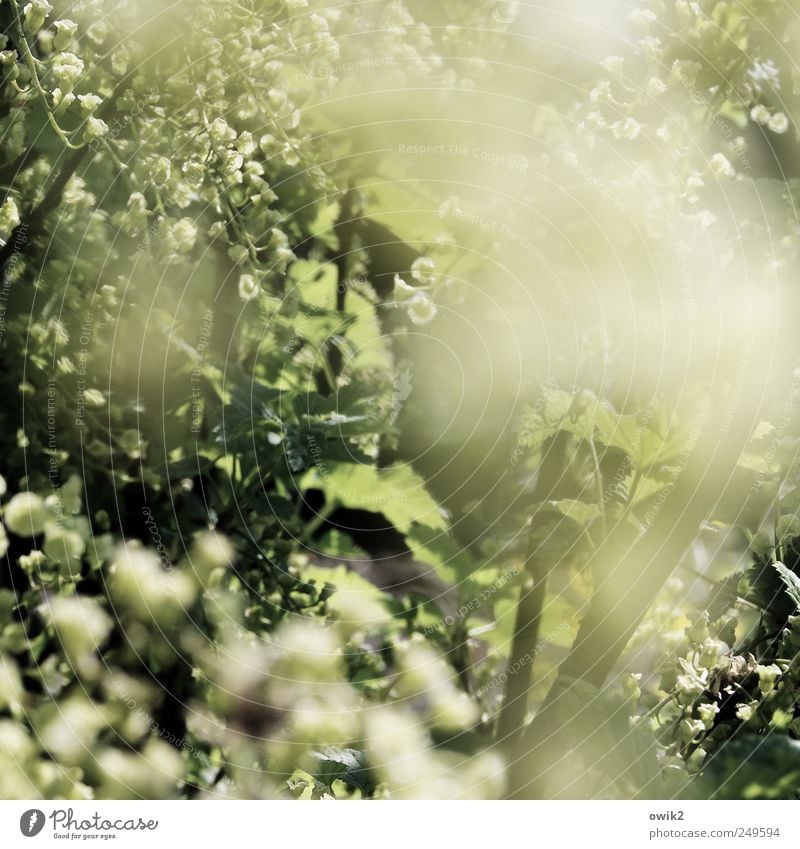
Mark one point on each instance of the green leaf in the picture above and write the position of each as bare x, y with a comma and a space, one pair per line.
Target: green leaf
580, 512
791, 581
452, 562
397, 492
348, 765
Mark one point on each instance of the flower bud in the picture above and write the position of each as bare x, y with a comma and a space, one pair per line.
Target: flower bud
140, 585
421, 309
89, 103
80, 623
9, 218
707, 712
767, 676
721, 166
248, 287
184, 235
423, 271
35, 14
402, 291
691, 730
710, 653
778, 123
65, 33
65, 547
67, 70
25, 514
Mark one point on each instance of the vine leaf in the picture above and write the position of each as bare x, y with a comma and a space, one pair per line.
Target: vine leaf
791, 581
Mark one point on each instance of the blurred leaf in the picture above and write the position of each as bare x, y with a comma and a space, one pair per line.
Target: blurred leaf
397, 492
753, 767
348, 765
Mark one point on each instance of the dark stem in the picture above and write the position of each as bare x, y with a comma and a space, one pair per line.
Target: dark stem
54, 194
523, 652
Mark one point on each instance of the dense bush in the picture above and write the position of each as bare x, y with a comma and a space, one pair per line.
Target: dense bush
398, 403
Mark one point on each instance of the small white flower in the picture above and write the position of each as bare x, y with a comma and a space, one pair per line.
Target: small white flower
65, 32
9, 218
248, 287
402, 291
159, 169
655, 86
721, 166
767, 676
25, 514
602, 91
421, 309
95, 128
423, 270
35, 13
67, 70
216, 230
691, 729
628, 129
744, 712
61, 99
760, 114
220, 132
707, 712
89, 102
778, 123
184, 235
710, 653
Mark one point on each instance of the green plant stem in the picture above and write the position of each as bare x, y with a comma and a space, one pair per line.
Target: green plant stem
31, 62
